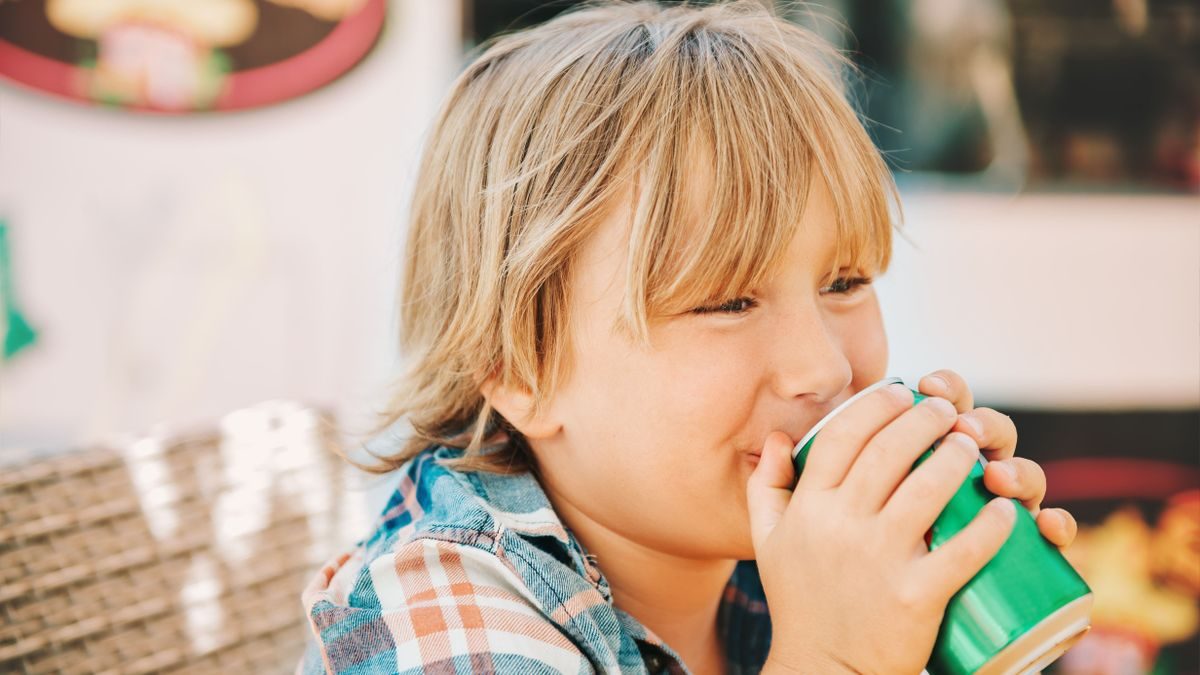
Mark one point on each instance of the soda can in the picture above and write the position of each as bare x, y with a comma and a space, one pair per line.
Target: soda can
1019, 613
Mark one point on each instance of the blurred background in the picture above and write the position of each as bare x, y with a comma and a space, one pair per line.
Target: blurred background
202, 213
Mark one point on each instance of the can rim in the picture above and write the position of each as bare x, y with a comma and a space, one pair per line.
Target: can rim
825, 420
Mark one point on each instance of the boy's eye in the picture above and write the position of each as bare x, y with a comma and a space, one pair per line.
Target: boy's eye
846, 285
843, 286
735, 306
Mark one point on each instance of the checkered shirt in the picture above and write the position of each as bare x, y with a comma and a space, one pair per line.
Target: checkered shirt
473, 572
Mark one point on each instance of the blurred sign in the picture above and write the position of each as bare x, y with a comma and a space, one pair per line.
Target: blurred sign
184, 55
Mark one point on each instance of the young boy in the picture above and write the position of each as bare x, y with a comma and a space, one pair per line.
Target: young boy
638, 271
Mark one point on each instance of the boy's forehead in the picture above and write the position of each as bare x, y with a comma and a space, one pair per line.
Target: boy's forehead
813, 235
699, 181
812, 244
699, 186
601, 267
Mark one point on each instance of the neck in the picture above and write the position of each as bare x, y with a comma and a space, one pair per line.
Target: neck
675, 597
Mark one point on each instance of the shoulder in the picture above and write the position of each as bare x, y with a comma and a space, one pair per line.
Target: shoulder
434, 501
466, 569
429, 604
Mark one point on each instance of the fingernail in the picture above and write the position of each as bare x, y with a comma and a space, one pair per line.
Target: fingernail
937, 384
941, 405
900, 391
973, 422
1007, 469
1004, 506
1062, 519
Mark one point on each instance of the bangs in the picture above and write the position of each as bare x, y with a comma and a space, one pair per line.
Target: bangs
723, 181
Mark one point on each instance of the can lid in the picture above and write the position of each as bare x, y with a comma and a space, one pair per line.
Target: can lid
803, 445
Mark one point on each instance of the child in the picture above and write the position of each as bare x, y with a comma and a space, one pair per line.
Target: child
639, 269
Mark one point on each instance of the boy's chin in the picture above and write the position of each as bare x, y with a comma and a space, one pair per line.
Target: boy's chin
716, 538
745, 552
730, 546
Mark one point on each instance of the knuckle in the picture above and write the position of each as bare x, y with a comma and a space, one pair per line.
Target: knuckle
924, 487
868, 459
969, 551
993, 414
933, 485
984, 539
936, 410
832, 436
1064, 517
952, 378
999, 523
964, 445
1001, 419
1035, 481
834, 431
910, 597
895, 397
1029, 481
837, 532
1029, 470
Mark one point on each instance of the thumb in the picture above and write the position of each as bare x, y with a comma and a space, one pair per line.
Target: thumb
769, 489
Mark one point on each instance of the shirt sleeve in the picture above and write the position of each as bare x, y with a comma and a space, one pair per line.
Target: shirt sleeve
431, 606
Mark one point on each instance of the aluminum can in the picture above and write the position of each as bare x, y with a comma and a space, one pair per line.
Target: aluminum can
1019, 613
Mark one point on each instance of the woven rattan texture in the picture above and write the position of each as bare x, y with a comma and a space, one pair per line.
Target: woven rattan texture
176, 555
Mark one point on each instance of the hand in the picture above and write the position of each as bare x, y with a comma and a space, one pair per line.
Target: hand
997, 438
842, 557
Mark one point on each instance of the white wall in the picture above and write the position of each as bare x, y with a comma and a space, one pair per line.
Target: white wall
178, 268
1071, 301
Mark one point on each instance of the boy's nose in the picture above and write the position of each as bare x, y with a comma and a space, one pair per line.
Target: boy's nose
809, 360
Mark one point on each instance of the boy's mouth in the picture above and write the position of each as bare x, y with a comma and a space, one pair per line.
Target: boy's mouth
756, 451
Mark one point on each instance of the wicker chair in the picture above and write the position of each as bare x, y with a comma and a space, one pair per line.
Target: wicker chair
183, 553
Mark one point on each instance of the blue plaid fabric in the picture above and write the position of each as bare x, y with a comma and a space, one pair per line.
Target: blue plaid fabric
474, 572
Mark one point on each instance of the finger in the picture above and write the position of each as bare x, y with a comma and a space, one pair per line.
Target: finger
993, 431
1018, 478
839, 442
923, 495
769, 489
1058, 526
946, 569
890, 455
950, 386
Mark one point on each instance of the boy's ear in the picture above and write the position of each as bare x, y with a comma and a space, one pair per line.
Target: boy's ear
516, 404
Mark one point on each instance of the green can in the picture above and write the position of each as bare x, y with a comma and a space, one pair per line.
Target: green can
1022, 611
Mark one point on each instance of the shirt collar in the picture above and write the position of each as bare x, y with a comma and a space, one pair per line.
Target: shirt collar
518, 503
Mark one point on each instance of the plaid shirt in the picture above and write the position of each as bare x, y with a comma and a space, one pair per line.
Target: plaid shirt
474, 572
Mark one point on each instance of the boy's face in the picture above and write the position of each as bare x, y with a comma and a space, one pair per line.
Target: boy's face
655, 444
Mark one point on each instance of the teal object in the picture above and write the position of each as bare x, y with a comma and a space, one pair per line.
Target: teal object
1019, 613
19, 333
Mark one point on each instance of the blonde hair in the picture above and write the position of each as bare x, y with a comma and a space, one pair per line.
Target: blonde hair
538, 135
